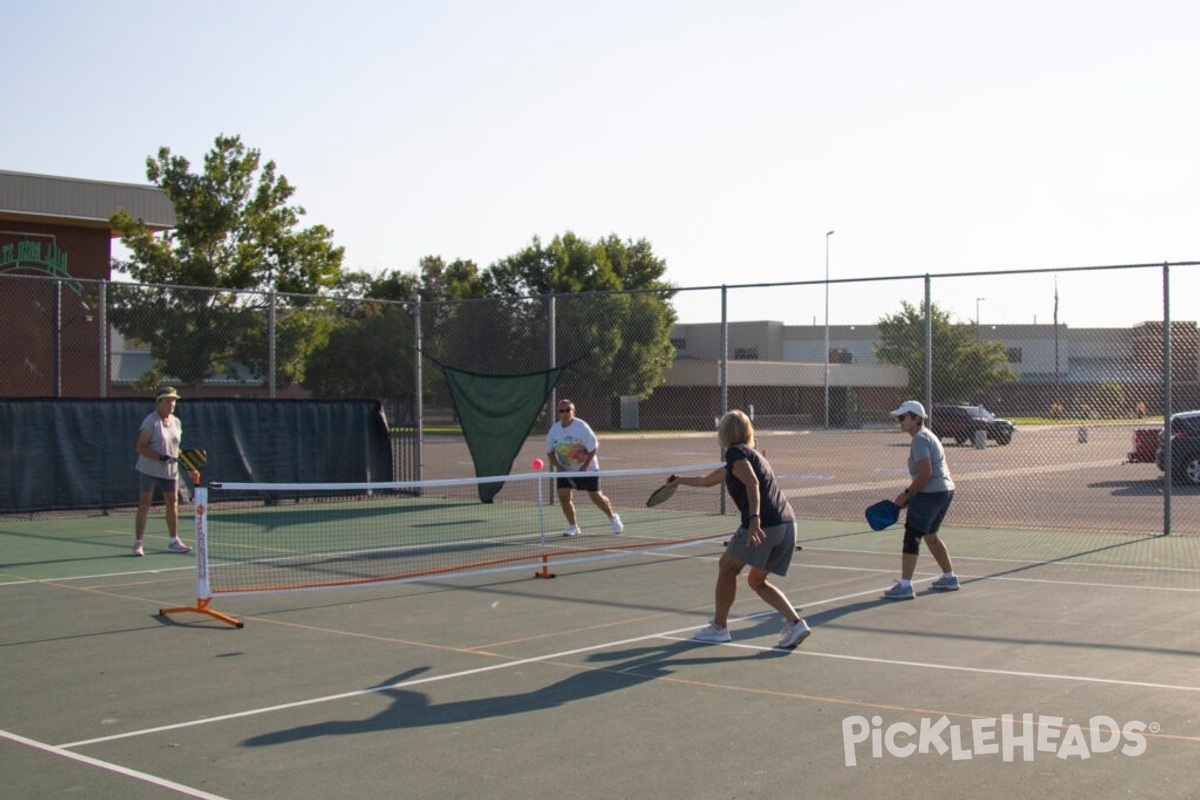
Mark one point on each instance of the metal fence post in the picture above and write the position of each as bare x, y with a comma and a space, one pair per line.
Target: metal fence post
552, 336
724, 367
102, 334
1168, 404
418, 392
928, 344
271, 343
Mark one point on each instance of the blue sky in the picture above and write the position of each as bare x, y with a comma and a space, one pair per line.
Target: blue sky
933, 136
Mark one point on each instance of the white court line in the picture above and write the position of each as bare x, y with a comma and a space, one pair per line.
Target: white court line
1052, 676
1136, 587
1000, 560
191, 568
110, 767
672, 635
1023, 471
983, 670
890, 570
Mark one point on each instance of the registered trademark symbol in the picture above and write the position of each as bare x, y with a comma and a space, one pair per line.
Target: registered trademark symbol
1155, 727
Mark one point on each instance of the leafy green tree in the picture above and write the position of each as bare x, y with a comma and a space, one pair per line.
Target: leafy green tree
964, 367
612, 310
369, 352
237, 237
496, 321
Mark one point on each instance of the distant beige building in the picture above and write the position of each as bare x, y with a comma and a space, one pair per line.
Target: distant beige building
779, 370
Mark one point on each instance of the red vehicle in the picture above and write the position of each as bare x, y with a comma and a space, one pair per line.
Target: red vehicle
1145, 443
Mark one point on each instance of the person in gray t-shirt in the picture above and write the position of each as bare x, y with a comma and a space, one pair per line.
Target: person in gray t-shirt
157, 450
927, 499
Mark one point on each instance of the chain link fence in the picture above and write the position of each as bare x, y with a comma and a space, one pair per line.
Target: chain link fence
818, 364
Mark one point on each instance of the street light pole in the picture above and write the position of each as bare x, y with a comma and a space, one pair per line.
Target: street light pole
827, 235
978, 300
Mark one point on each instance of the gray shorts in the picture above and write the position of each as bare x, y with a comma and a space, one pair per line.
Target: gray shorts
148, 483
773, 555
926, 510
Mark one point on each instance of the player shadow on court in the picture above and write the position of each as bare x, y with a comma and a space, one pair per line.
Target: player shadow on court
768, 627
1140, 488
412, 709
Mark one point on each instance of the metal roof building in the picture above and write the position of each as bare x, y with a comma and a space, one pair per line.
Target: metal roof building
55, 258
49, 199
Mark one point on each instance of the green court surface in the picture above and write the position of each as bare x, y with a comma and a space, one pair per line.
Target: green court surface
1131, 550
1065, 665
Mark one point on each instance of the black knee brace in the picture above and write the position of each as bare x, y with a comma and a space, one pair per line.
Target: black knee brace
912, 542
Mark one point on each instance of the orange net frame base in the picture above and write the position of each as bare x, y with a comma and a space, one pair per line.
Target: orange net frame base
203, 594
545, 571
201, 607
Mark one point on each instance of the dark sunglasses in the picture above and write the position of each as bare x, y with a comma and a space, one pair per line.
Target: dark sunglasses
563, 410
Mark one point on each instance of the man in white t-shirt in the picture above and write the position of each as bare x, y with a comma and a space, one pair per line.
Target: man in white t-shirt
571, 450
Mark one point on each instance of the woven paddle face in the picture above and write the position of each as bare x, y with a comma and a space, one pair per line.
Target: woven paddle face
661, 495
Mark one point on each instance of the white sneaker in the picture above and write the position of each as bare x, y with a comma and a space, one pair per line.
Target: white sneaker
794, 634
177, 546
571, 531
616, 523
138, 550
712, 633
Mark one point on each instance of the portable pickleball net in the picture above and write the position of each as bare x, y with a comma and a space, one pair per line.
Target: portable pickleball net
276, 537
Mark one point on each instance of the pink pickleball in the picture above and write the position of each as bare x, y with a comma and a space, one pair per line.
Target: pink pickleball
537, 464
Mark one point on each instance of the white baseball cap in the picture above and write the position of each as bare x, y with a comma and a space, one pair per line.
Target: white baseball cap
910, 407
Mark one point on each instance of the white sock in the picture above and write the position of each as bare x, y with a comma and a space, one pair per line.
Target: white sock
948, 574
905, 583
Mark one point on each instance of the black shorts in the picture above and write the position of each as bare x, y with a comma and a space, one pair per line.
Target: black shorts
926, 510
584, 483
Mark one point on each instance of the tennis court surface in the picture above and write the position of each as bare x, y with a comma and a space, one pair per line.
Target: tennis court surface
1067, 664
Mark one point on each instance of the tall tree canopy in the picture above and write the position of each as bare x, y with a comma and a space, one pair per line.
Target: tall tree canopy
235, 230
238, 258
370, 349
964, 367
612, 314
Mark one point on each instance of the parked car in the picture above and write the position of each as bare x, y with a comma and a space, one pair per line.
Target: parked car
959, 422
1145, 446
1185, 448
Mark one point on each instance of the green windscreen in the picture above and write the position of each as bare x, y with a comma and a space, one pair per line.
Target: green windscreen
497, 412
